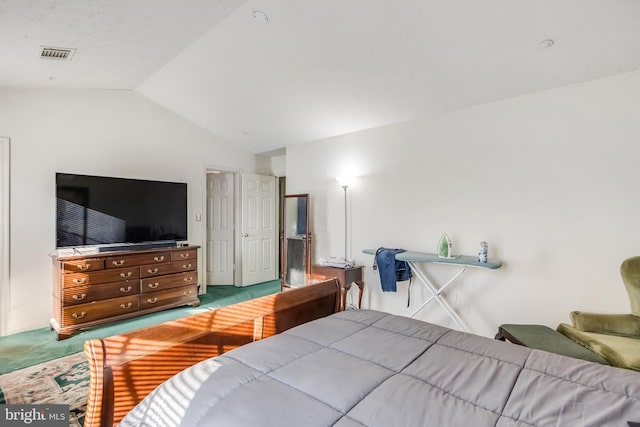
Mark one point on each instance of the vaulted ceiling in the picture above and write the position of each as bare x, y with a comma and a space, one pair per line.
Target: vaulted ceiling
316, 69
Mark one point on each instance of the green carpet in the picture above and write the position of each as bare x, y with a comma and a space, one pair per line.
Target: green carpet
28, 348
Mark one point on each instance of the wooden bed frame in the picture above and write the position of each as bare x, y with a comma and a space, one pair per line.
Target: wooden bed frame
125, 368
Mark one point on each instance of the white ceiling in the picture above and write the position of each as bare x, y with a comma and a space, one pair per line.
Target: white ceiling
318, 68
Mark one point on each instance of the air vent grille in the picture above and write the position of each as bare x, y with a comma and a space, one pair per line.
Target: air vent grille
57, 53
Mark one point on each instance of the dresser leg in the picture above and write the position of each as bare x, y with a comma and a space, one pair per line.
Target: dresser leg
343, 293
63, 335
360, 285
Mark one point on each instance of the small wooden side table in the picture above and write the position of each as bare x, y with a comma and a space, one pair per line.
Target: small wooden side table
345, 276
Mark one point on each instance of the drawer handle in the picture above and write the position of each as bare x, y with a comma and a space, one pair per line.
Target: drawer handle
183, 256
188, 279
128, 274
152, 300
79, 316
122, 289
126, 306
79, 297
118, 263
153, 285
187, 293
84, 267
158, 258
185, 266
152, 271
80, 281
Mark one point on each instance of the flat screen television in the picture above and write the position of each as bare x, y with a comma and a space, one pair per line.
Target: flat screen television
112, 212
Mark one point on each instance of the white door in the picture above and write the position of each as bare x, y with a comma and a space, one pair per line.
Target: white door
4, 234
259, 230
220, 229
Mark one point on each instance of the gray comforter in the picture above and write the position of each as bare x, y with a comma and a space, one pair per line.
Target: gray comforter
367, 368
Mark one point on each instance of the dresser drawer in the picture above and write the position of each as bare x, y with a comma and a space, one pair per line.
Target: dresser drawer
98, 277
86, 294
169, 281
153, 299
82, 265
168, 268
134, 260
99, 310
187, 254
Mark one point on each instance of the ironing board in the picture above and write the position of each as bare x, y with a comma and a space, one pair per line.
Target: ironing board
461, 261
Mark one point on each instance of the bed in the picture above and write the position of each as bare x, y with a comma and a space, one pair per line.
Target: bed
368, 368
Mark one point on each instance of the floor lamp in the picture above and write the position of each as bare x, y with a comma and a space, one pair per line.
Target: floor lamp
344, 182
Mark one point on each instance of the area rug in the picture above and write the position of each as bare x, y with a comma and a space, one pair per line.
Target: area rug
62, 381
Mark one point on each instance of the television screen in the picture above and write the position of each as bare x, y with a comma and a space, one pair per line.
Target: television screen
95, 210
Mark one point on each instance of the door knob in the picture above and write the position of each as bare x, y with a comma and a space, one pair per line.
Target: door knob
245, 235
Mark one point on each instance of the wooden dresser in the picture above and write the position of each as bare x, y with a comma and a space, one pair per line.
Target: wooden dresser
90, 290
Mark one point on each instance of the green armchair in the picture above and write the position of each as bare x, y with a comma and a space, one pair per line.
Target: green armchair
616, 337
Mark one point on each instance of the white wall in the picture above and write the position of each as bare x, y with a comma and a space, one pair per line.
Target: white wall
274, 165
549, 180
96, 132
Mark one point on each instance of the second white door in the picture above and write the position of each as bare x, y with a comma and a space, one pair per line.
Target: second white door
259, 231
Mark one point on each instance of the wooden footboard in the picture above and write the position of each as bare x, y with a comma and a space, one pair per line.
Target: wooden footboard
125, 368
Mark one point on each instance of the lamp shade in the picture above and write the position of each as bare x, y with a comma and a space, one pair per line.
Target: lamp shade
344, 180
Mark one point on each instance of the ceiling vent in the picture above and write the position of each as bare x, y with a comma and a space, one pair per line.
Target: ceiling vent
57, 53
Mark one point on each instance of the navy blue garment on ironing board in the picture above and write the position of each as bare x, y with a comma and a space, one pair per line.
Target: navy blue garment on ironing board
391, 270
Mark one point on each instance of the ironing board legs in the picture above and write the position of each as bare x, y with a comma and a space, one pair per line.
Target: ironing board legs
435, 294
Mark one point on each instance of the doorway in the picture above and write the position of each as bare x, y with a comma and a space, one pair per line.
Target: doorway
241, 225
5, 157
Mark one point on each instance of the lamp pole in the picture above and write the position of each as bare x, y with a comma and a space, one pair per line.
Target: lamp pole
345, 221
344, 182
